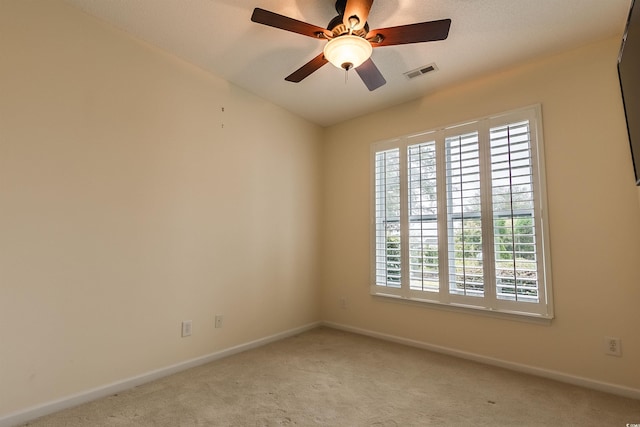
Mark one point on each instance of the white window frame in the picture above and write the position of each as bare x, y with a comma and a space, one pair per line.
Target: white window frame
443, 297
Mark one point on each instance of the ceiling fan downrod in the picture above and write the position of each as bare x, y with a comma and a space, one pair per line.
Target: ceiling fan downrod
341, 6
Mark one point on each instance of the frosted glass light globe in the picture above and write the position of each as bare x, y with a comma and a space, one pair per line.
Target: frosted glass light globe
347, 51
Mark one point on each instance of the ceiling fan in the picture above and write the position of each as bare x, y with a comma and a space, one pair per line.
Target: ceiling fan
349, 41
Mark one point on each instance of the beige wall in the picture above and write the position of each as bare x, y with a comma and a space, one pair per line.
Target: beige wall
126, 207
593, 211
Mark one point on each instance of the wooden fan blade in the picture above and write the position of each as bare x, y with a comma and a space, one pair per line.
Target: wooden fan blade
306, 70
412, 33
370, 75
356, 13
282, 22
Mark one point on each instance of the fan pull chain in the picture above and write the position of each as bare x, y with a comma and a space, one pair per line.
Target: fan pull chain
348, 67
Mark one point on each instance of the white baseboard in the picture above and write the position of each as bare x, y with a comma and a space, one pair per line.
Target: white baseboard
518, 367
38, 411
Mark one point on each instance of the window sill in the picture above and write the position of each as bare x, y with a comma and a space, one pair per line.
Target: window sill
467, 309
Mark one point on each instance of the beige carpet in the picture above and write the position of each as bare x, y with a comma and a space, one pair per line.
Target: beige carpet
326, 377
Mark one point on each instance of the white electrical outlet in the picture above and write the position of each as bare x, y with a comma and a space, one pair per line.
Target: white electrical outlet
612, 346
219, 319
186, 328
344, 303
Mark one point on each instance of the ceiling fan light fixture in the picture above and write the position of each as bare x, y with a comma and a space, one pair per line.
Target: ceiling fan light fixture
347, 51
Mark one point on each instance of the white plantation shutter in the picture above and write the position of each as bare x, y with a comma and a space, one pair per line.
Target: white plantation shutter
387, 218
424, 273
458, 217
513, 213
464, 215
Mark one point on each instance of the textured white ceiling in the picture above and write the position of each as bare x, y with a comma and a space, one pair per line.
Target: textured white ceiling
485, 36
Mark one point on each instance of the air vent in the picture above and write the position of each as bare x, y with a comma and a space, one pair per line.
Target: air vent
421, 71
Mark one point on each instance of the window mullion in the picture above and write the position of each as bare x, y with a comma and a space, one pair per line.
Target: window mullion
443, 239
405, 273
488, 256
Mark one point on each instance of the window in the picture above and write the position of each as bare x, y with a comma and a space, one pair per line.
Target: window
459, 218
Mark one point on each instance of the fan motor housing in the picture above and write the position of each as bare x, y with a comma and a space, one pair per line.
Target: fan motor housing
337, 28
